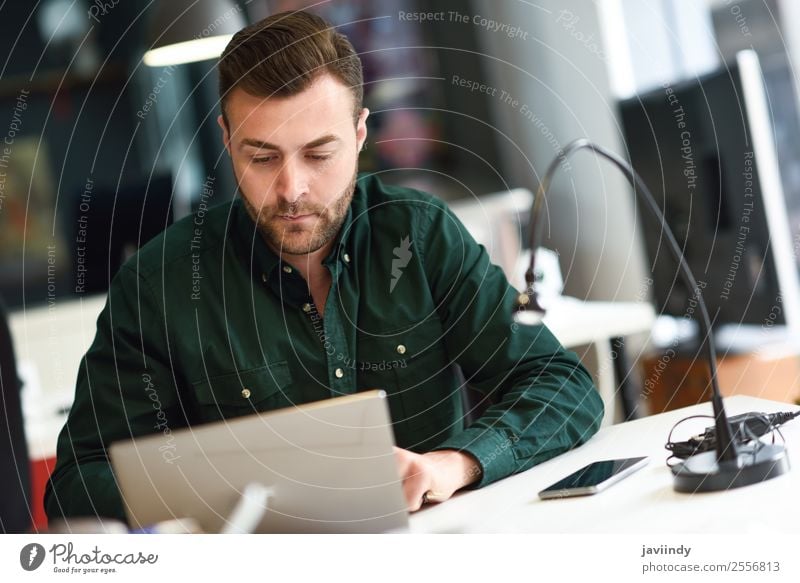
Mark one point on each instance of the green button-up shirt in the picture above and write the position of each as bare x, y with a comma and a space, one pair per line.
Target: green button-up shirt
207, 323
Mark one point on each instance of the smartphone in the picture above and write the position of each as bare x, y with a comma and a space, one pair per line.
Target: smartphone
593, 478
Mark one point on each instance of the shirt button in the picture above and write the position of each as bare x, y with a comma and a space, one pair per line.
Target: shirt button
306, 308
339, 373
346, 258
264, 277
401, 349
287, 269
246, 393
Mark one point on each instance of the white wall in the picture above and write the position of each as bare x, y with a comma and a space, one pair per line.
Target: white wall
559, 76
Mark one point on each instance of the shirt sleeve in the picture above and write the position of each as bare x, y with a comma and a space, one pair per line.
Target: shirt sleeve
125, 388
545, 401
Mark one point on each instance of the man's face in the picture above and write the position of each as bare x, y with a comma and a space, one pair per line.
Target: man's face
295, 160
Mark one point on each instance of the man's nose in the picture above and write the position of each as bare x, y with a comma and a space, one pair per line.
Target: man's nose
292, 182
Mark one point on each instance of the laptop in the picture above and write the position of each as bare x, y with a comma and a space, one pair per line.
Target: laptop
329, 466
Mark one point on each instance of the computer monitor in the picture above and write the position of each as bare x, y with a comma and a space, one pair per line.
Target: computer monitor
707, 149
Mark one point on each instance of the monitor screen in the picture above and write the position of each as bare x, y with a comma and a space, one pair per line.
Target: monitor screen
720, 154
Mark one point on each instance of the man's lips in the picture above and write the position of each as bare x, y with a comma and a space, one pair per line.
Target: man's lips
296, 218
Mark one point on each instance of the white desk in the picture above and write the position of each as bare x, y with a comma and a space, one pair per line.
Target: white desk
642, 503
49, 344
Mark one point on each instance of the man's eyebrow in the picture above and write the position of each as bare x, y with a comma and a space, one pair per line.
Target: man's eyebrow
261, 144
322, 140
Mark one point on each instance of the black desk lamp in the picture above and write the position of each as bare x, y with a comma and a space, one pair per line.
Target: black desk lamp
731, 465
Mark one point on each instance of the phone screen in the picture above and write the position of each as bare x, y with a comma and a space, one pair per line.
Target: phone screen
588, 479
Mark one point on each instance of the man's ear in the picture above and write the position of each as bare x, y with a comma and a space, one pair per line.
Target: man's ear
361, 129
226, 138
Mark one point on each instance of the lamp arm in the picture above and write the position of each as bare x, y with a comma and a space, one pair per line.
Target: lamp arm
726, 449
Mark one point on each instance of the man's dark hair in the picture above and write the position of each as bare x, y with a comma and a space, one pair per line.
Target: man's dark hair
282, 54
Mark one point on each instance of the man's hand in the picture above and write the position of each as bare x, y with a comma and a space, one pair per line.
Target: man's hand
442, 472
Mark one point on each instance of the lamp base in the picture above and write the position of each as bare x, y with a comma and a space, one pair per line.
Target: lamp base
703, 473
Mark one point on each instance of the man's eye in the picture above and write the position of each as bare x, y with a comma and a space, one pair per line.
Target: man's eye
319, 157
263, 160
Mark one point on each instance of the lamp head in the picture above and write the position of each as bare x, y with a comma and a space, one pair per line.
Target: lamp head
528, 311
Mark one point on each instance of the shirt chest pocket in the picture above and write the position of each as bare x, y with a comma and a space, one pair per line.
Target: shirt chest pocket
412, 365
245, 392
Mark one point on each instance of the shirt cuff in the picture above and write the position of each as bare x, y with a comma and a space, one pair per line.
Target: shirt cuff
492, 449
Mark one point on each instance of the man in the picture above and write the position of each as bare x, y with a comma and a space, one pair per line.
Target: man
317, 283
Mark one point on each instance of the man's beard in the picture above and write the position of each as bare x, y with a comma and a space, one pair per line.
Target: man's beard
290, 239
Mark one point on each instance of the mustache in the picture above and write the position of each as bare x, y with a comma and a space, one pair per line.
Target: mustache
296, 209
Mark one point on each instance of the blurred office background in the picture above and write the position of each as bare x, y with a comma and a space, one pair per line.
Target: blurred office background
101, 151
102, 128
